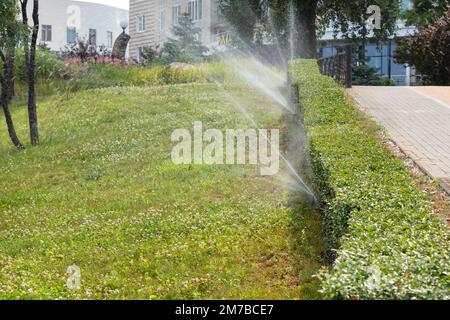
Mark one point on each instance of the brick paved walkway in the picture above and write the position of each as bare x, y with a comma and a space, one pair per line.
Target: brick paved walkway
418, 124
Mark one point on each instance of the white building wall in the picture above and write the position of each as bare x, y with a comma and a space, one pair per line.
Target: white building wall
61, 13
156, 32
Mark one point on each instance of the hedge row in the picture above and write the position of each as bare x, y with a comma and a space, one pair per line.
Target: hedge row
390, 244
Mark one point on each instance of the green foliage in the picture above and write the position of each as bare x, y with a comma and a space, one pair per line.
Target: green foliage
276, 19
104, 75
150, 55
48, 65
10, 27
429, 51
281, 17
186, 45
243, 15
73, 77
424, 12
350, 17
390, 244
365, 75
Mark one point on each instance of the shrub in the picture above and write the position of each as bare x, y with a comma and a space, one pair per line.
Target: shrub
365, 75
150, 55
429, 51
65, 77
390, 244
47, 65
81, 52
115, 75
88, 76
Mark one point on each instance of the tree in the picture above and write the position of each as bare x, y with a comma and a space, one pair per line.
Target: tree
424, 12
9, 29
243, 15
296, 23
186, 45
305, 13
363, 21
276, 16
9, 71
429, 51
362, 18
30, 62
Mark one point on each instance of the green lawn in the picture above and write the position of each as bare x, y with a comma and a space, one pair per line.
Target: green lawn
102, 192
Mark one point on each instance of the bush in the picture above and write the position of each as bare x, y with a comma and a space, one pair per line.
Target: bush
103, 75
88, 76
429, 51
390, 245
150, 55
364, 75
47, 65
65, 77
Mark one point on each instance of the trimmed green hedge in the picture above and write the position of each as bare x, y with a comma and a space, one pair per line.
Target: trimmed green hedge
390, 244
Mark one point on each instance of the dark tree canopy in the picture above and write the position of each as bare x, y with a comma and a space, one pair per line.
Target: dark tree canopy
9, 26
351, 17
424, 12
242, 15
278, 18
296, 23
429, 51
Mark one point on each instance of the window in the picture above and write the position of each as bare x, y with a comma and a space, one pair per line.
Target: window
195, 9
140, 23
176, 11
162, 15
71, 35
109, 36
139, 54
93, 37
46, 33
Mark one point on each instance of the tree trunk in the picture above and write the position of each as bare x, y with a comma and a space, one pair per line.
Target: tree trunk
363, 44
32, 112
5, 103
26, 35
306, 47
9, 73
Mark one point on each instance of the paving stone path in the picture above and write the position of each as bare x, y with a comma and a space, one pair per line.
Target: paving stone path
418, 123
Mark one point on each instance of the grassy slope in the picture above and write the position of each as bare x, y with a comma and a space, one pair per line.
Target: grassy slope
101, 192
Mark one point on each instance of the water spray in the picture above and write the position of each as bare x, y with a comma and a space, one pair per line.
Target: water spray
299, 181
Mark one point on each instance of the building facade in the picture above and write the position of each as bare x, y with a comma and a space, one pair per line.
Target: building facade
379, 55
64, 21
151, 21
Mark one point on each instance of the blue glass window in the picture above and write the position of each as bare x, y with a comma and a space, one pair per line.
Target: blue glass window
71, 35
